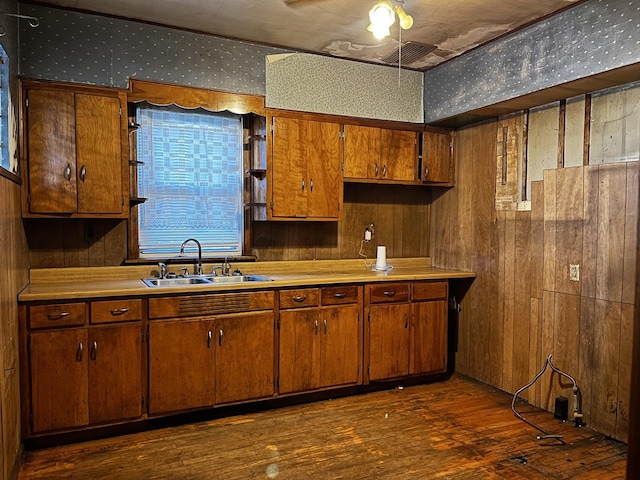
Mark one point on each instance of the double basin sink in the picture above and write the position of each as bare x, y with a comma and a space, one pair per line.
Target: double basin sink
203, 280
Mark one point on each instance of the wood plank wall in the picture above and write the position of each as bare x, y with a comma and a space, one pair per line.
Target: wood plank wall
14, 270
522, 305
400, 215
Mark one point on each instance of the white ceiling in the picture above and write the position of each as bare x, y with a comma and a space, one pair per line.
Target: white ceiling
336, 27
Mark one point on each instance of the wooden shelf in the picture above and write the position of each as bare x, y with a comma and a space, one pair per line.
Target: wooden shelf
133, 201
259, 173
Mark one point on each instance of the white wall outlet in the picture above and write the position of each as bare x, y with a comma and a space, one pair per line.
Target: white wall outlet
368, 233
574, 272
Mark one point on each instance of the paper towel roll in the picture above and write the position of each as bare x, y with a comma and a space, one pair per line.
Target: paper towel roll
381, 259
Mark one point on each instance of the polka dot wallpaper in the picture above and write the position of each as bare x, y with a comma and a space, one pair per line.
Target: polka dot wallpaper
75, 47
590, 38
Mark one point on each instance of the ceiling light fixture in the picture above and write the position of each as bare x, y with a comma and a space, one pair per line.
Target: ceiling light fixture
383, 15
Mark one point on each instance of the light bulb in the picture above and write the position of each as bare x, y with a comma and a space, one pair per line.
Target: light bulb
382, 17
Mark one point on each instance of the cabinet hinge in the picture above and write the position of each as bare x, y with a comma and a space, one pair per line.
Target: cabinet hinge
271, 205
341, 134
26, 102
120, 112
278, 323
122, 197
342, 167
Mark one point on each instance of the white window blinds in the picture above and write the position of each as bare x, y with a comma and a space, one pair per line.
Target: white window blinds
192, 179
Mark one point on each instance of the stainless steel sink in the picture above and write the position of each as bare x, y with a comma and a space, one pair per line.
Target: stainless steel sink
175, 282
202, 280
238, 278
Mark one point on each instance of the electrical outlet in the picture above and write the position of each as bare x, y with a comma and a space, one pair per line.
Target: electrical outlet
368, 233
574, 272
93, 231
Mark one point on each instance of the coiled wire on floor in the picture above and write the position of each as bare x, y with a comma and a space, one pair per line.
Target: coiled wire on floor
577, 415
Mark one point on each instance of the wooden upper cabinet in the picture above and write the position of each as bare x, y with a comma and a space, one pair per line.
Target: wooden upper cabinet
304, 170
437, 158
73, 151
380, 154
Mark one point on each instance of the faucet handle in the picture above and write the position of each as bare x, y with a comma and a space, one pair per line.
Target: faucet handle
185, 271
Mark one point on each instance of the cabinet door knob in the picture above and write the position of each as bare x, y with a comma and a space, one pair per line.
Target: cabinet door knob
67, 172
83, 173
119, 311
80, 352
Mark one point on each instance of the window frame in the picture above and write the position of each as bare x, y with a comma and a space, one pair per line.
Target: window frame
189, 98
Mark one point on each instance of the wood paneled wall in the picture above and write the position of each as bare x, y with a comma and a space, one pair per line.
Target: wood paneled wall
14, 270
400, 215
522, 305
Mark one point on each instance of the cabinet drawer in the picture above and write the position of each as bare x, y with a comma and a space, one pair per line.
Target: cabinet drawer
116, 311
340, 295
57, 315
390, 292
430, 291
303, 297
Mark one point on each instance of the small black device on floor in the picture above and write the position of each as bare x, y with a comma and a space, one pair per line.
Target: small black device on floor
561, 411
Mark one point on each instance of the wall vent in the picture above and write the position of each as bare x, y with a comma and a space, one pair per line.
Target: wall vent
411, 52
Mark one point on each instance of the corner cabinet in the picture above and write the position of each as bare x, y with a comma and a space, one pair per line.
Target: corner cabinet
74, 151
379, 154
437, 167
304, 177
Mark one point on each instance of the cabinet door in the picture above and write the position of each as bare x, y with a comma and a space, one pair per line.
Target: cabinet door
388, 341
181, 365
437, 165
115, 375
361, 152
59, 379
51, 144
99, 162
245, 357
340, 346
299, 350
429, 337
324, 159
288, 168
399, 155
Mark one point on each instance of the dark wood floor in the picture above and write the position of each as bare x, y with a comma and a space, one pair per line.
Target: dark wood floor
457, 429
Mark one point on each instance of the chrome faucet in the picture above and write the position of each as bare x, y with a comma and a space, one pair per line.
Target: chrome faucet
163, 269
226, 266
197, 270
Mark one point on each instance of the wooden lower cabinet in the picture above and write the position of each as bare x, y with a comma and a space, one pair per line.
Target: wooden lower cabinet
320, 344
407, 329
202, 362
85, 376
181, 365
245, 356
389, 341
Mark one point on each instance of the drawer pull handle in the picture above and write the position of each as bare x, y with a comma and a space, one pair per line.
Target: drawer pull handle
299, 298
209, 337
83, 173
315, 326
79, 352
389, 293
119, 311
325, 326
67, 172
221, 335
339, 295
406, 321
94, 350
58, 316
